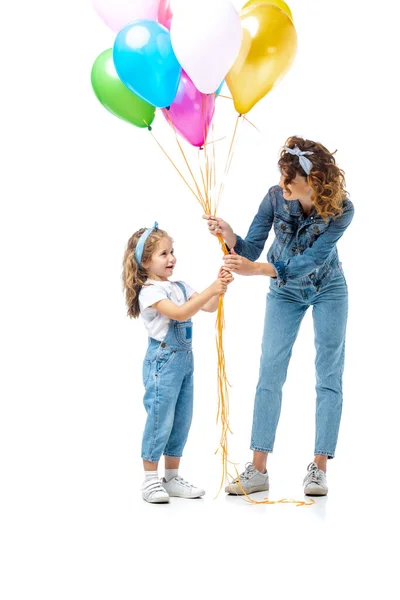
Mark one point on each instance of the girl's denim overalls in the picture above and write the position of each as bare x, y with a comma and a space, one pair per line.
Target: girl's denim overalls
309, 273
168, 399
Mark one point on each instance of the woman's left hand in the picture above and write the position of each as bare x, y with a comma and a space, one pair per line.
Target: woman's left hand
238, 264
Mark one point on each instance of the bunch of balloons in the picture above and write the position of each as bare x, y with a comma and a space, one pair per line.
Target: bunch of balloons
176, 54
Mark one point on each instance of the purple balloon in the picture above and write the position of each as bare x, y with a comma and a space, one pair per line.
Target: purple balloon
191, 112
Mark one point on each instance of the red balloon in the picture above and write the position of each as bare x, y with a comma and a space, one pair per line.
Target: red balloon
165, 13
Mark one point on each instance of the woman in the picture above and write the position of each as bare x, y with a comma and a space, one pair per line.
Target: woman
309, 211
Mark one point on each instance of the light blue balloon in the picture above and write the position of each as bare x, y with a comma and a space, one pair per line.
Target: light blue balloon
218, 91
146, 63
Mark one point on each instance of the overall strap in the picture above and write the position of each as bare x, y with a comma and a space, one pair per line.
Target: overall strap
182, 288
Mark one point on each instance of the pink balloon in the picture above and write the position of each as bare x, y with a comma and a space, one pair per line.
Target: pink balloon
191, 112
165, 13
118, 13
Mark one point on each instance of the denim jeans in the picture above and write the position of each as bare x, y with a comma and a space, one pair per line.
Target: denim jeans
168, 400
286, 307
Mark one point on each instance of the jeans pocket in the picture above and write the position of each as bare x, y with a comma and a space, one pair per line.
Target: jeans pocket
163, 359
146, 371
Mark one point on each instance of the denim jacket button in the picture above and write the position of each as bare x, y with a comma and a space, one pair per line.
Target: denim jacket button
163, 345
283, 227
312, 275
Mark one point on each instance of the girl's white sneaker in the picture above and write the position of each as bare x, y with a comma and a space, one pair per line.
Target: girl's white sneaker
180, 488
154, 492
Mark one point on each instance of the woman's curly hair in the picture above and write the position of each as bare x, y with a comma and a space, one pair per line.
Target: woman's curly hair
326, 180
134, 276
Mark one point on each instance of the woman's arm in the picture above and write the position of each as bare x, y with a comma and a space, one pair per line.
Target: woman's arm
315, 256
300, 265
254, 242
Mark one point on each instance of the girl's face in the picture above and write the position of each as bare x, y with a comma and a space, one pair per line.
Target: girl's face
162, 263
298, 189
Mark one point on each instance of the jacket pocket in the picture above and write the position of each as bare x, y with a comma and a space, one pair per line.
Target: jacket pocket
315, 229
284, 228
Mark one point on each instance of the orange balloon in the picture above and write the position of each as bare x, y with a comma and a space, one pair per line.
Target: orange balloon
279, 3
268, 48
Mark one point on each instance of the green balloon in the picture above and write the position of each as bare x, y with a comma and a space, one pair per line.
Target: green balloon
115, 97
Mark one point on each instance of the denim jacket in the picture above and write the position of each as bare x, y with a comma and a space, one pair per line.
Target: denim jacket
304, 248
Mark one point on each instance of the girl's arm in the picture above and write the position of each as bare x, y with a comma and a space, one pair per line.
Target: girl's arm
192, 306
212, 305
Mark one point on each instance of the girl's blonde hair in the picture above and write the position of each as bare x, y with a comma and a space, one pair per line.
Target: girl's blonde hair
134, 276
326, 180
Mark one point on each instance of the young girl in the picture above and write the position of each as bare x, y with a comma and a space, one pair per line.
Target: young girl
309, 211
166, 308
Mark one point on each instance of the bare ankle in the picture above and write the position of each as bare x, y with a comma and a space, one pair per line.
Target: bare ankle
321, 461
260, 461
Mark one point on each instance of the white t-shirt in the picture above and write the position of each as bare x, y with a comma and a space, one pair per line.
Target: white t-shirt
156, 323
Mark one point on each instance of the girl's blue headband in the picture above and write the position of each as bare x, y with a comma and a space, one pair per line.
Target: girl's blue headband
142, 241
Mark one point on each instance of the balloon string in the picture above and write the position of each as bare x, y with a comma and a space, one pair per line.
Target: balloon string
200, 195
228, 162
252, 124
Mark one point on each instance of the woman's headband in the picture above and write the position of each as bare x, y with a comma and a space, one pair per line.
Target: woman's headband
305, 163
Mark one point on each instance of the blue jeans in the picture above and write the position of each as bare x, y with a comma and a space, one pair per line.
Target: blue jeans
286, 307
168, 399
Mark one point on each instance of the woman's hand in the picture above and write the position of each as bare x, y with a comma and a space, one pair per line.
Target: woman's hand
225, 275
239, 264
217, 226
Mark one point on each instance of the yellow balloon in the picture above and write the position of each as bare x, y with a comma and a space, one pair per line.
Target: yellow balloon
279, 3
268, 48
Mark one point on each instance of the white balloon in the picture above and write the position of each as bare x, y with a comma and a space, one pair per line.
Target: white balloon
206, 36
118, 13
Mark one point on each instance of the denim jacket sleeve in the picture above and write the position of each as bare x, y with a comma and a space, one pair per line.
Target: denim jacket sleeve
254, 242
315, 256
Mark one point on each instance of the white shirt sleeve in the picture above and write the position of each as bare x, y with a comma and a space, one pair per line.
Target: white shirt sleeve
189, 290
149, 294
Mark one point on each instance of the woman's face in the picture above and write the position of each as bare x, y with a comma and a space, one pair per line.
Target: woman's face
298, 189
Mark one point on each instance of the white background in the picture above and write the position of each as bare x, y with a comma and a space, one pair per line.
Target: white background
76, 183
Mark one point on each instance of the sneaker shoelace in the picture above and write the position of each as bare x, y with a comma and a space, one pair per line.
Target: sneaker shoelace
313, 475
245, 476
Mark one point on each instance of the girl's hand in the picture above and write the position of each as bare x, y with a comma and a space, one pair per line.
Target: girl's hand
239, 264
226, 275
219, 287
217, 226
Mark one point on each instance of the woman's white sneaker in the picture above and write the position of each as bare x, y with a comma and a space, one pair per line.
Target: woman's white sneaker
154, 492
315, 483
178, 487
250, 481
